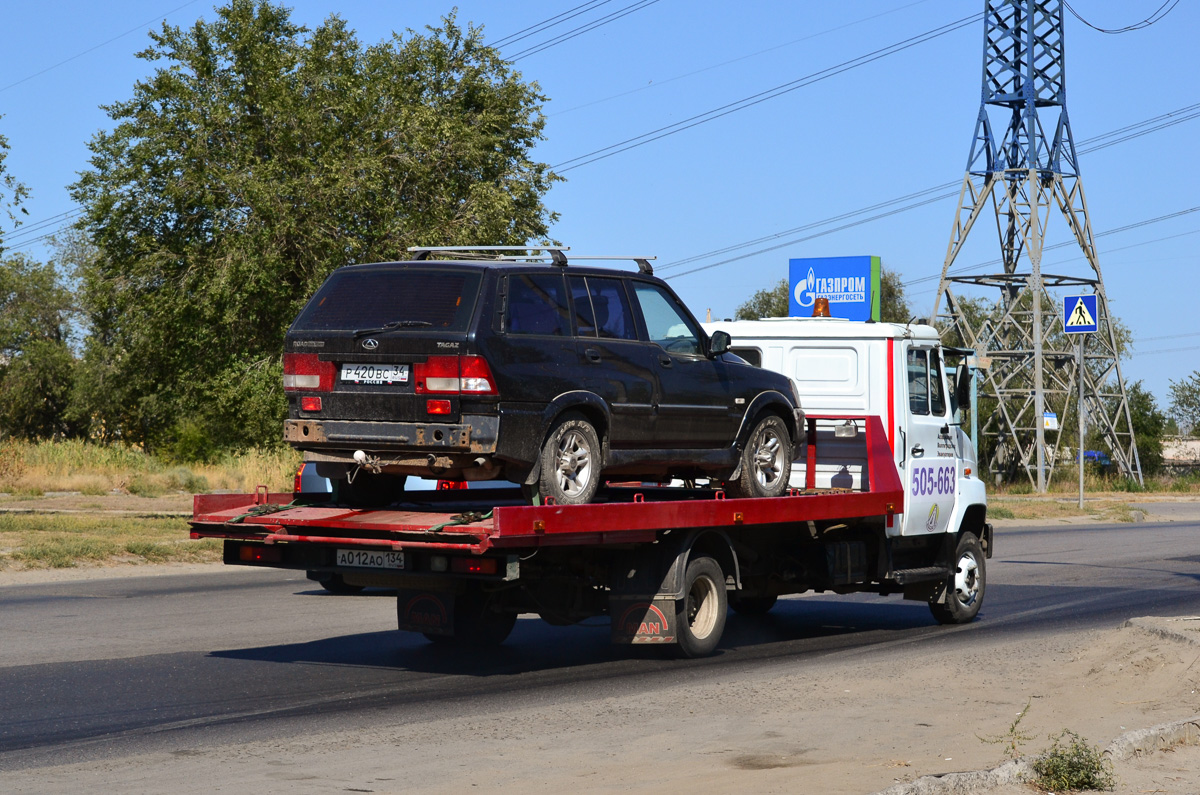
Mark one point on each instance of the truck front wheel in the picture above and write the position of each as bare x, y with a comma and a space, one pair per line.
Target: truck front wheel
965, 584
700, 614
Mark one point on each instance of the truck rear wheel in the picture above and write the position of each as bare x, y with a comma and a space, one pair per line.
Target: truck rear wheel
478, 622
965, 585
700, 614
766, 461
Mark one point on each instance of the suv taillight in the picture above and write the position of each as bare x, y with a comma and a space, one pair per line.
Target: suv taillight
304, 371
452, 375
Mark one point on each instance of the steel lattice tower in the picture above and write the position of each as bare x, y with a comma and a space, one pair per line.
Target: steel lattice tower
1022, 176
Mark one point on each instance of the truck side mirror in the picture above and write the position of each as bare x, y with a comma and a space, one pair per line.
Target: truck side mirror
962, 385
718, 344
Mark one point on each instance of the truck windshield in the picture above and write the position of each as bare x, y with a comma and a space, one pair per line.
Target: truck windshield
399, 299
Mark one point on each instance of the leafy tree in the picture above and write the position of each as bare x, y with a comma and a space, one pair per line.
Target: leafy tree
12, 193
1185, 402
36, 363
773, 301
1149, 427
258, 157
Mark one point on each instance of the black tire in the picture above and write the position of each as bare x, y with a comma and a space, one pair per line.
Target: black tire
571, 462
965, 585
700, 614
368, 490
478, 622
752, 605
766, 461
335, 584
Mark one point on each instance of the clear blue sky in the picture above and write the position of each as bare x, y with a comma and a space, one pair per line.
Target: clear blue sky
900, 124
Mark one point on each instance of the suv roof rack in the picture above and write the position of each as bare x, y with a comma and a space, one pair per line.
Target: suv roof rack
555, 253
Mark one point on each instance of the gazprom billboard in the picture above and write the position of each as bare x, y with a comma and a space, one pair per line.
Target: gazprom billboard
850, 283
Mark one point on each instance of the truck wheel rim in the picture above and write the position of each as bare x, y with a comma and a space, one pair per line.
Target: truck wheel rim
966, 580
574, 463
702, 607
768, 455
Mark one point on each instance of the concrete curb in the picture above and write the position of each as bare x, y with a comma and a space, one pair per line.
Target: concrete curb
1181, 628
1128, 745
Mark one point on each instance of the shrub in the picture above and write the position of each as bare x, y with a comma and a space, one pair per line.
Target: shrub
1073, 764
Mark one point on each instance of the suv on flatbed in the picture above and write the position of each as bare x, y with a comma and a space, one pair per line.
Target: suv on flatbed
554, 377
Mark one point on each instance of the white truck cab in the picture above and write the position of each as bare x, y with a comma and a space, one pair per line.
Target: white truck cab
892, 371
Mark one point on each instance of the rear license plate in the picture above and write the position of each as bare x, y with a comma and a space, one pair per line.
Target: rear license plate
370, 559
375, 373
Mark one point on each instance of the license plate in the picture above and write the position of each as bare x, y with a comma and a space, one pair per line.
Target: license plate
370, 559
375, 373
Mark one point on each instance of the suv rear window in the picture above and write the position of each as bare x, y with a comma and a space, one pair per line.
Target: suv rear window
441, 300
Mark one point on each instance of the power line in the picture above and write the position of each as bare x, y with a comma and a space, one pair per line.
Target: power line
1145, 23
660, 83
582, 29
546, 24
1094, 144
762, 96
98, 46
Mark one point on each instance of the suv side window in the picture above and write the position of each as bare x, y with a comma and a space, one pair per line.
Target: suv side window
667, 323
602, 308
537, 304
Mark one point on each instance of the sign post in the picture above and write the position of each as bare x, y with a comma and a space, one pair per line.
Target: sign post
1079, 317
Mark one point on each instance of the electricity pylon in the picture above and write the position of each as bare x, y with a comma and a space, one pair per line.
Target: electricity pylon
1022, 176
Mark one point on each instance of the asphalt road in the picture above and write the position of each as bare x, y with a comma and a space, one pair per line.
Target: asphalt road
103, 668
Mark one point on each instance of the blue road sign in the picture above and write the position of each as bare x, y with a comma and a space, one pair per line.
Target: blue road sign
1079, 314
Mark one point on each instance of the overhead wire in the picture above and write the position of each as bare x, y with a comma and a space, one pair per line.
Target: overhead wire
949, 190
760, 97
1145, 23
548, 23
142, 26
579, 31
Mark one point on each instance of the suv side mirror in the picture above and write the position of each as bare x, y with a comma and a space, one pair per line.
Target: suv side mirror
718, 344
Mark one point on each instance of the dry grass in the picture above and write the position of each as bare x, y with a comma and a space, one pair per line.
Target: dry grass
34, 468
55, 541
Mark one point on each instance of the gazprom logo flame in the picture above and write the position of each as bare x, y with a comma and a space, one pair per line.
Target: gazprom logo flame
806, 290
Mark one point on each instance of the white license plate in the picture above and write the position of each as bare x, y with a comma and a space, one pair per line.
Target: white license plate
370, 558
375, 373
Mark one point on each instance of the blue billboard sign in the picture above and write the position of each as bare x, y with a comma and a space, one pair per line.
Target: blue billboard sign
850, 283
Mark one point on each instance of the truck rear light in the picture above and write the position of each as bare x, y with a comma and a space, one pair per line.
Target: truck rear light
454, 375
437, 406
252, 554
474, 565
305, 371
310, 404
298, 480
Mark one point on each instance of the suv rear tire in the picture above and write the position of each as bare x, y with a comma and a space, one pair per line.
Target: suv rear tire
570, 461
766, 461
368, 490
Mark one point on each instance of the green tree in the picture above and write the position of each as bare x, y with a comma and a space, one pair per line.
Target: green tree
773, 301
1149, 427
12, 192
258, 157
36, 363
1185, 402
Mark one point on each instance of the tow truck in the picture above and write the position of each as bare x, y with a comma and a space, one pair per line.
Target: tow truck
885, 497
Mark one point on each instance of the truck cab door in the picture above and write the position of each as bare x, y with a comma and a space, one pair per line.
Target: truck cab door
929, 461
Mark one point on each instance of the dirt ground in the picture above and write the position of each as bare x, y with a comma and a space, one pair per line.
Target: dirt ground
837, 724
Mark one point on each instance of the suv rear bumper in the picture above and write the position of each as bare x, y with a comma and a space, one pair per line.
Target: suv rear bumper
474, 434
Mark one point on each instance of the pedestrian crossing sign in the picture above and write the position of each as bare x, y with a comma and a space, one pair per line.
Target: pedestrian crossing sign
1079, 314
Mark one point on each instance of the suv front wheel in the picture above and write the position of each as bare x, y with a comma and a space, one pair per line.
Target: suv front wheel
571, 461
766, 461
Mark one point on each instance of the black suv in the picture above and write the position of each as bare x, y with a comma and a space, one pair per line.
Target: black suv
549, 376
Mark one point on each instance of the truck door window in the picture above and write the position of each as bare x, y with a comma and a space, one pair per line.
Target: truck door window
666, 322
937, 391
918, 381
537, 304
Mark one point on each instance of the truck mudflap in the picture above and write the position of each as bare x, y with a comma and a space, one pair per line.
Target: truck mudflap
643, 621
430, 612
